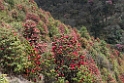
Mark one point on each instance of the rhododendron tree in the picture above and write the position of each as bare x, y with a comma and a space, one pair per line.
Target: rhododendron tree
32, 16
68, 59
32, 72
32, 34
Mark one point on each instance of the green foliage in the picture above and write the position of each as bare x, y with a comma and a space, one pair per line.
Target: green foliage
18, 15
84, 33
96, 15
84, 76
5, 17
102, 61
40, 27
114, 34
99, 48
105, 74
3, 78
53, 30
103, 49
33, 66
12, 52
84, 42
61, 80
17, 26
10, 2
48, 67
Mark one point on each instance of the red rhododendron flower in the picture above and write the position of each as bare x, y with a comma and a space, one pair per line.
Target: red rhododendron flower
72, 66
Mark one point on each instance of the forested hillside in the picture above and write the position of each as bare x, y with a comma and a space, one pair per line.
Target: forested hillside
36, 47
103, 18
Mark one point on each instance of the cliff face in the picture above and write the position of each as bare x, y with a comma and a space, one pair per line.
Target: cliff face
36, 47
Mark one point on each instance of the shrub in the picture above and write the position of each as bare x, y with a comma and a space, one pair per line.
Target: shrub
52, 29
10, 2
84, 33
103, 49
31, 16
32, 72
68, 60
48, 67
31, 33
84, 76
12, 52
84, 42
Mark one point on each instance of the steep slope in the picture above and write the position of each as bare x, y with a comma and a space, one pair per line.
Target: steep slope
42, 49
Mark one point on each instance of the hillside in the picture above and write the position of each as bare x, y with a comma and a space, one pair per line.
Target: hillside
36, 48
102, 18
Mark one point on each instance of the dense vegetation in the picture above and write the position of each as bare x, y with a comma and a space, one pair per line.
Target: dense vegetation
102, 18
44, 50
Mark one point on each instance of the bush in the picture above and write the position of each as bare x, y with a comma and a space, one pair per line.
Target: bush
32, 34
84, 33
68, 61
12, 51
53, 30
10, 2
48, 67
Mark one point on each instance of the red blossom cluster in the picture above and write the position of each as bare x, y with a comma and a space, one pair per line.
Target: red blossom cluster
66, 53
75, 34
122, 78
1, 5
120, 47
61, 28
31, 33
33, 8
41, 47
110, 79
64, 45
32, 73
20, 7
45, 29
77, 63
31, 16
92, 67
116, 53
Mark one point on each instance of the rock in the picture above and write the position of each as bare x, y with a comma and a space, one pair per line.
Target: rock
18, 79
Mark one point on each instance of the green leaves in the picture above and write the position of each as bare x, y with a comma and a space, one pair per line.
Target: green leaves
3, 78
83, 76
12, 51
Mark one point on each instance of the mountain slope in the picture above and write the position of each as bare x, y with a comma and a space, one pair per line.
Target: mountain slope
36, 46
